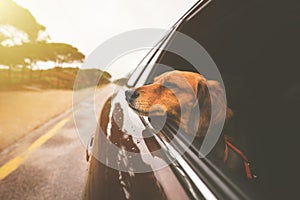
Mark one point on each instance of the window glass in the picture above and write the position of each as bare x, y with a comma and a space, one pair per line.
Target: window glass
137, 78
137, 72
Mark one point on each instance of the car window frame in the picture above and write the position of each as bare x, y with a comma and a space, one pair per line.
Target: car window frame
216, 181
154, 55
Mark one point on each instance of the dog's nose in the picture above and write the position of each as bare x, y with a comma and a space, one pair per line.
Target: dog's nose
131, 95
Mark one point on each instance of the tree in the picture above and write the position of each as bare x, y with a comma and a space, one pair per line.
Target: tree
14, 20
13, 15
65, 53
3, 37
11, 57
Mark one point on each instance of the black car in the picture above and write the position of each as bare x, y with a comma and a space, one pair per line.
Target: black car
255, 45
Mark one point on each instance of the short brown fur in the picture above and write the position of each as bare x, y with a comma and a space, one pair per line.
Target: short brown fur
178, 93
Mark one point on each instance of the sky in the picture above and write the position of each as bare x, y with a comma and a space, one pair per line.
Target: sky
86, 24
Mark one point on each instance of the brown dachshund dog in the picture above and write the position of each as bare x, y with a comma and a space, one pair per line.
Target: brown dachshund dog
181, 94
178, 94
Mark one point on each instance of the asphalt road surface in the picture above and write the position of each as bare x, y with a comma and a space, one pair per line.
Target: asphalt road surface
50, 162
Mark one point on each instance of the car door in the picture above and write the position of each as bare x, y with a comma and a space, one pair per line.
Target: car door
124, 163
253, 45
249, 41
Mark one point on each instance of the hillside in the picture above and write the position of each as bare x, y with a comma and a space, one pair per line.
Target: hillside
55, 78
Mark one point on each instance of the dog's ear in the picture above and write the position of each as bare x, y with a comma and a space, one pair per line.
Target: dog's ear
218, 99
201, 120
201, 92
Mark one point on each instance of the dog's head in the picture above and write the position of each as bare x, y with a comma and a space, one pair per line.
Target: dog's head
176, 94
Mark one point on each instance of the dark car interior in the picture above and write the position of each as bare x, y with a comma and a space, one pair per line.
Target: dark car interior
255, 45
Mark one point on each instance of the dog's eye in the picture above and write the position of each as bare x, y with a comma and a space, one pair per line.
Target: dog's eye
169, 85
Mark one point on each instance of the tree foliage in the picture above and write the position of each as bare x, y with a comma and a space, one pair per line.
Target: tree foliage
14, 15
29, 52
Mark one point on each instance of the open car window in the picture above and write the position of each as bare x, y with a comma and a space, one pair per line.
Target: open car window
250, 49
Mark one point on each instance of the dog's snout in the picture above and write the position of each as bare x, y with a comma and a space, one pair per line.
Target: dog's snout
131, 95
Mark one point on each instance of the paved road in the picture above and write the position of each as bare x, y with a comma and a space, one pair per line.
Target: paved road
50, 162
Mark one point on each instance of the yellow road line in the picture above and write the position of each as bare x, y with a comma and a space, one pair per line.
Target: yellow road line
14, 163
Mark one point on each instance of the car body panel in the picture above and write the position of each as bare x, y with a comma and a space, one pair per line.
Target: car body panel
114, 143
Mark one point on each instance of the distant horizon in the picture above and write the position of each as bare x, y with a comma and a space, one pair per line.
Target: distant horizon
115, 66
